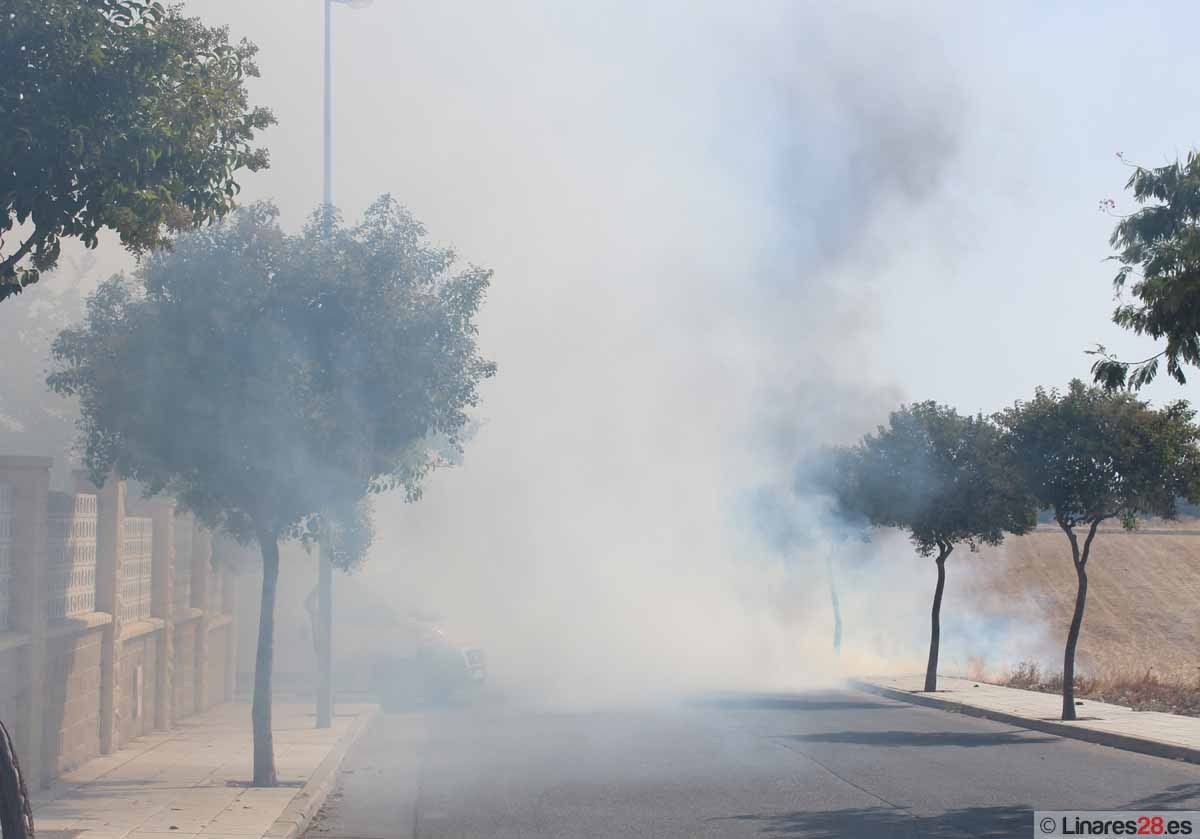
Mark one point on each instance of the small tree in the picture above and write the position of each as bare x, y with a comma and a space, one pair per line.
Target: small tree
265, 379
118, 114
1091, 455
945, 479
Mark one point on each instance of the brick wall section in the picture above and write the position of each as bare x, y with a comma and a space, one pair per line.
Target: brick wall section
14, 692
139, 651
72, 708
185, 669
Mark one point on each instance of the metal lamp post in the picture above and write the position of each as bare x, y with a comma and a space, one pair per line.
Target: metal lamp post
325, 571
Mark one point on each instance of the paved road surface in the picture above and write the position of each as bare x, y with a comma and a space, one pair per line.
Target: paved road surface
832, 764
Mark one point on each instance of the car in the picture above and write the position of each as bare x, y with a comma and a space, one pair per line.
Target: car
437, 673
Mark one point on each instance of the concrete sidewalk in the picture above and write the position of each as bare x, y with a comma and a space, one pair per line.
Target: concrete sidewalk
190, 782
1149, 732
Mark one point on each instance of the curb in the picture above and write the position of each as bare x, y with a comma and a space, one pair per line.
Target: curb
1141, 745
300, 810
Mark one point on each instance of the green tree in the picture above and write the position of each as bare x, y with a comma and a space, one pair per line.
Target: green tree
1158, 247
264, 379
1091, 455
117, 114
945, 479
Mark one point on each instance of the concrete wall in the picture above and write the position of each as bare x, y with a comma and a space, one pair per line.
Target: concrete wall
81, 672
185, 667
139, 668
71, 703
220, 635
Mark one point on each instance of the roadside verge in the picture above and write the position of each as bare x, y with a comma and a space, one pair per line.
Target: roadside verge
299, 813
1147, 732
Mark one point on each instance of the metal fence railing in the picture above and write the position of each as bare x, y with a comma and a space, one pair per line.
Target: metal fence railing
71, 544
6, 556
136, 583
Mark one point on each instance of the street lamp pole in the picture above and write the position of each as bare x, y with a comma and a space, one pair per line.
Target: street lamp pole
327, 194
324, 627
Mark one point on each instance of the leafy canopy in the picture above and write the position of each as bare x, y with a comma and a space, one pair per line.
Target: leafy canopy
833, 474
1158, 246
1089, 454
119, 114
942, 477
265, 378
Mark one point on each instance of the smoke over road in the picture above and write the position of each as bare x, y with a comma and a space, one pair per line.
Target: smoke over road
721, 236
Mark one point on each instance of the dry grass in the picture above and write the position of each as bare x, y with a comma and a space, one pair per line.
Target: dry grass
1142, 624
1145, 692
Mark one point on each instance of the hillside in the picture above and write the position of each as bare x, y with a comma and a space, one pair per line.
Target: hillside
1143, 607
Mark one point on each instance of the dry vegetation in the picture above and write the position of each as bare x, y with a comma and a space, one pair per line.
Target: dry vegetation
1145, 692
1140, 645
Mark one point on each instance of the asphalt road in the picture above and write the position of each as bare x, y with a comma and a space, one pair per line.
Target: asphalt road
831, 764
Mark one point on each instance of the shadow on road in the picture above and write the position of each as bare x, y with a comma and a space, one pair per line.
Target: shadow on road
1170, 797
792, 703
884, 823
922, 738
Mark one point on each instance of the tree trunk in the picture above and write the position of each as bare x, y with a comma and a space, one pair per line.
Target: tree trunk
1080, 559
324, 637
935, 627
16, 815
260, 710
837, 610
1068, 695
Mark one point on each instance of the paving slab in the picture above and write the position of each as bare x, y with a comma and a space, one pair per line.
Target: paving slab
192, 781
1149, 732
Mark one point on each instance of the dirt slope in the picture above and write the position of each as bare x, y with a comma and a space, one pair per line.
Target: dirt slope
1143, 606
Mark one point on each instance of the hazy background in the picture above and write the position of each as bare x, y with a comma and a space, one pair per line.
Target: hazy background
722, 232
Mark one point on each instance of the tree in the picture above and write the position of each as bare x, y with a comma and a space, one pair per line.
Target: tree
263, 379
1159, 246
117, 114
945, 479
1091, 455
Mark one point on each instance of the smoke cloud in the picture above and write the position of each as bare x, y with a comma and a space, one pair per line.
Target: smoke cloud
722, 236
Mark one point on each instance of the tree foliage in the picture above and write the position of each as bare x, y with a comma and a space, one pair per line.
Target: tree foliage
263, 378
943, 478
118, 114
1091, 455
1158, 248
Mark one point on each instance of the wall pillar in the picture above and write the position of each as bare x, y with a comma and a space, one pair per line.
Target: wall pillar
110, 554
228, 605
201, 573
30, 480
162, 515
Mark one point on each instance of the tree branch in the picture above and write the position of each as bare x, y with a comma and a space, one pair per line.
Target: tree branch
8, 266
1087, 543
